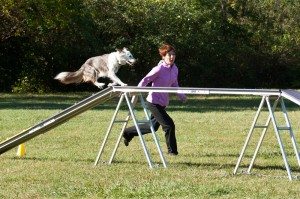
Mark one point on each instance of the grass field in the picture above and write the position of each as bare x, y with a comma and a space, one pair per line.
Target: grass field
210, 132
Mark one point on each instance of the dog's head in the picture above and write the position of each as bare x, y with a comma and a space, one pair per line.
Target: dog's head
125, 57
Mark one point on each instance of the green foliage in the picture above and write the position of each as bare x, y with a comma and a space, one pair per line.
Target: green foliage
228, 43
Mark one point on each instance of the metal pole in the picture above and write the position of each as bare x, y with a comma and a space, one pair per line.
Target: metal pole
288, 123
109, 130
262, 137
249, 135
121, 133
153, 132
279, 140
138, 130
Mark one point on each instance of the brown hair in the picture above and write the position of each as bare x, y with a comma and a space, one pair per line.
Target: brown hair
165, 48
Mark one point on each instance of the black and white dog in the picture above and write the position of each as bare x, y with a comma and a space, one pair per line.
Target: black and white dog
106, 65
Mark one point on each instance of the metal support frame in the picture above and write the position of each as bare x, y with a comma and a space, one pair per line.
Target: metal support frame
271, 117
131, 115
112, 92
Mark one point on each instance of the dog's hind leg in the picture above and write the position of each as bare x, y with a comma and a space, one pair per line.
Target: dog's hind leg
91, 75
96, 83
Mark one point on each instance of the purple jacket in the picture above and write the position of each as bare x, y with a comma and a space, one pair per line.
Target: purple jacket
161, 75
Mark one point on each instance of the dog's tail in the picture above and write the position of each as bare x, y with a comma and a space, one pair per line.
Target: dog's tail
70, 77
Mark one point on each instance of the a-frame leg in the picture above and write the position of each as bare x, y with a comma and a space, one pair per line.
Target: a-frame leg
148, 120
138, 130
153, 131
279, 140
285, 128
131, 115
250, 134
125, 122
109, 130
272, 118
265, 128
288, 124
130, 106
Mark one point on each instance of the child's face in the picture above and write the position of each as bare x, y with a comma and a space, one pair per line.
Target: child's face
170, 58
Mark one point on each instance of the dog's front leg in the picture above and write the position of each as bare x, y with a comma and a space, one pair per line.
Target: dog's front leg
115, 79
112, 84
99, 85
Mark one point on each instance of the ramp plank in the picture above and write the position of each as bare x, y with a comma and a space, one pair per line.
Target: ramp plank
291, 95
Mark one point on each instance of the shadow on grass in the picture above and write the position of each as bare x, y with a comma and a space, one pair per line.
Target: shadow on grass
242, 167
87, 160
47, 159
268, 155
159, 164
175, 164
194, 104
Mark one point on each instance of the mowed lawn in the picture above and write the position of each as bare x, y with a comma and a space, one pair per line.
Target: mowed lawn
211, 131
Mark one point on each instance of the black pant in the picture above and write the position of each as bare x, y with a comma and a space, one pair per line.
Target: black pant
159, 116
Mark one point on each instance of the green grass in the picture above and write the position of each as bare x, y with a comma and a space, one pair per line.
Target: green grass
210, 132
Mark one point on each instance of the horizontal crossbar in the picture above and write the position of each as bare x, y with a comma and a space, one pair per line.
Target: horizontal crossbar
201, 91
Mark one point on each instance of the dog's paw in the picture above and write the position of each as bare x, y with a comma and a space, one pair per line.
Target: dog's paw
115, 84
99, 85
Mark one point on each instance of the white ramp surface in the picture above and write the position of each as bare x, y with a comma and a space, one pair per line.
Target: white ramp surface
292, 95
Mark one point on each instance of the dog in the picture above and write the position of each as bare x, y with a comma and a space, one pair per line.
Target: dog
106, 65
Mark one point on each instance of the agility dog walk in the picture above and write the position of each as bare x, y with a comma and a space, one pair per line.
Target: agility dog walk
115, 91
106, 65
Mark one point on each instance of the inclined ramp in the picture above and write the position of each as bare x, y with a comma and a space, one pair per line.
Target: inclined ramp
58, 119
291, 95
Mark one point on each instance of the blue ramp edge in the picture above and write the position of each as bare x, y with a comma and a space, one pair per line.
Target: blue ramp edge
291, 95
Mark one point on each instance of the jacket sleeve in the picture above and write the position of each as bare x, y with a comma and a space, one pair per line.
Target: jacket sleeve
149, 77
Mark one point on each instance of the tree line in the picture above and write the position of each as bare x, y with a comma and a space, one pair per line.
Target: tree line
219, 43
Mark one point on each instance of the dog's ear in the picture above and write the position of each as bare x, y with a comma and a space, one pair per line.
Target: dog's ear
119, 49
125, 49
